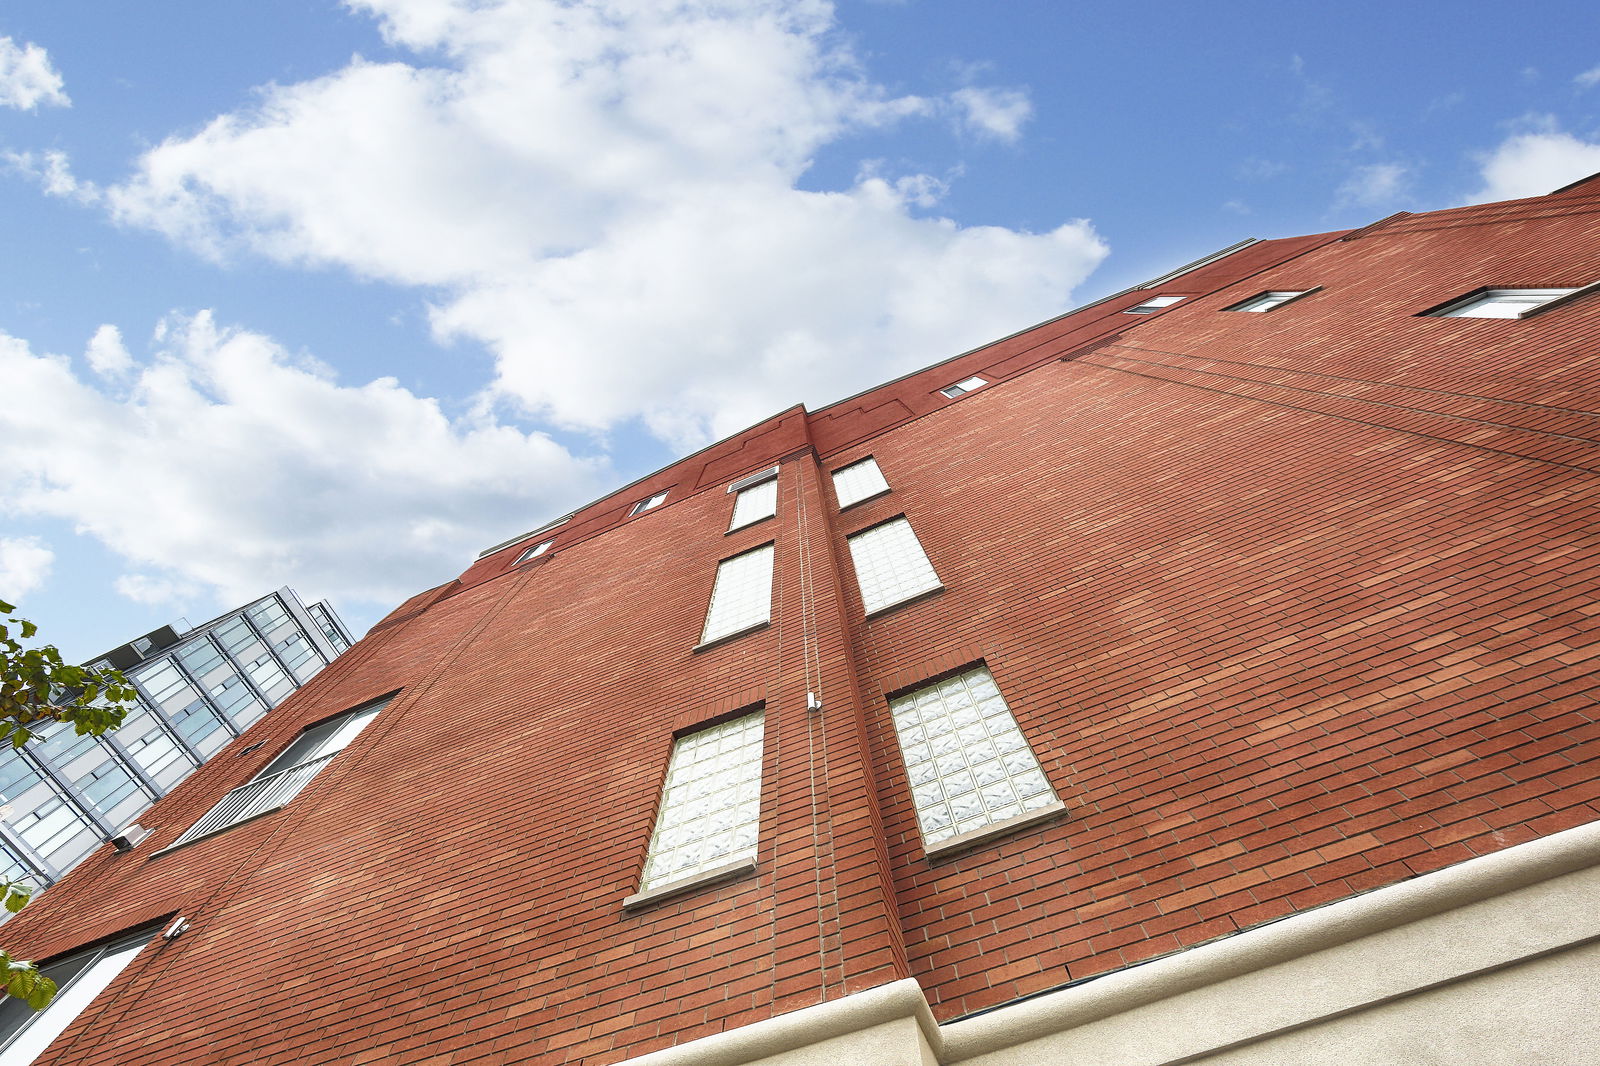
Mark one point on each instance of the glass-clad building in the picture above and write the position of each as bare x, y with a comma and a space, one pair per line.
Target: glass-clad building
64, 795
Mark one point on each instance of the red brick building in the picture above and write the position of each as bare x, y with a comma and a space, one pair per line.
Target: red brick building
1204, 675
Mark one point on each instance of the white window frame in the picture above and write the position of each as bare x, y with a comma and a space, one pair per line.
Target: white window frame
1271, 300
534, 552
649, 503
74, 995
730, 571
966, 385
1466, 306
718, 765
873, 554
1154, 304
844, 472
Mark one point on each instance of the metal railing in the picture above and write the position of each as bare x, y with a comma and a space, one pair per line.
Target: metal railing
255, 797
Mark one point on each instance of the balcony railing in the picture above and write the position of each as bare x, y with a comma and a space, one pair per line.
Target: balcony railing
260, 796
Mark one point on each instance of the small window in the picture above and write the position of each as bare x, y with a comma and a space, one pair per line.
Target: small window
1266, 301
967, 762
534, 552
858, 481
285, 776
891, 565
1155, 303
754, 504
741, 598
961, 388
710, 809
80, 977
1500, 303
648, 505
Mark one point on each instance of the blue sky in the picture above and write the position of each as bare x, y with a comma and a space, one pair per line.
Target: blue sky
336, 295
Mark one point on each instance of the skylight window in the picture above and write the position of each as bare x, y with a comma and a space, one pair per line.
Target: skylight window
1500, 303
1155, 303
648, 505
534, 552
961, 388
1266, 301
741, 598
858, 481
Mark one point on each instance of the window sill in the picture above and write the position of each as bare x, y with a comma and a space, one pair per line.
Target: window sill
717, 642
853, 504
749, 524
926, 594
965, 841
717, 875
170, 848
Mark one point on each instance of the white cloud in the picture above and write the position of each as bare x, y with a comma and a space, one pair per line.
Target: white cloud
1588, 79
53, 171
158, 591
1534, 162
1374, 185
606, 195
25, 563
997, 113
106, 354
26, 77
233, 467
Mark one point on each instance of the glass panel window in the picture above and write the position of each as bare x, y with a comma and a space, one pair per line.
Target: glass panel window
858, 481
711, 803
1155, 303
1266, 301
754, 503
534, 552
967, 762
650, 504
890, 565
285, 776
1501, 303
961, 388
79, 978
742, 595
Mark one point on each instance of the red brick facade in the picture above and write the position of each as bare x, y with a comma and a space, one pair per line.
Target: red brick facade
1290, 605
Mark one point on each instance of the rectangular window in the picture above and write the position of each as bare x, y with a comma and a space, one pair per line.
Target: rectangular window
79, 977
890, 565
1155, 303
647, 505
1267, 301
967, 762
286, 775
858, 481
754, 504
741, 599
534, 552
961, 388
710, 804
1500, 303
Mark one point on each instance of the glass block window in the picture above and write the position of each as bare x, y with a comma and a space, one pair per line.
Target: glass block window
961, 388
858, 481
711, 803
1501, 303
1266, 301
754, 503
1155, 303
890, 565
967, 763
742, 595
